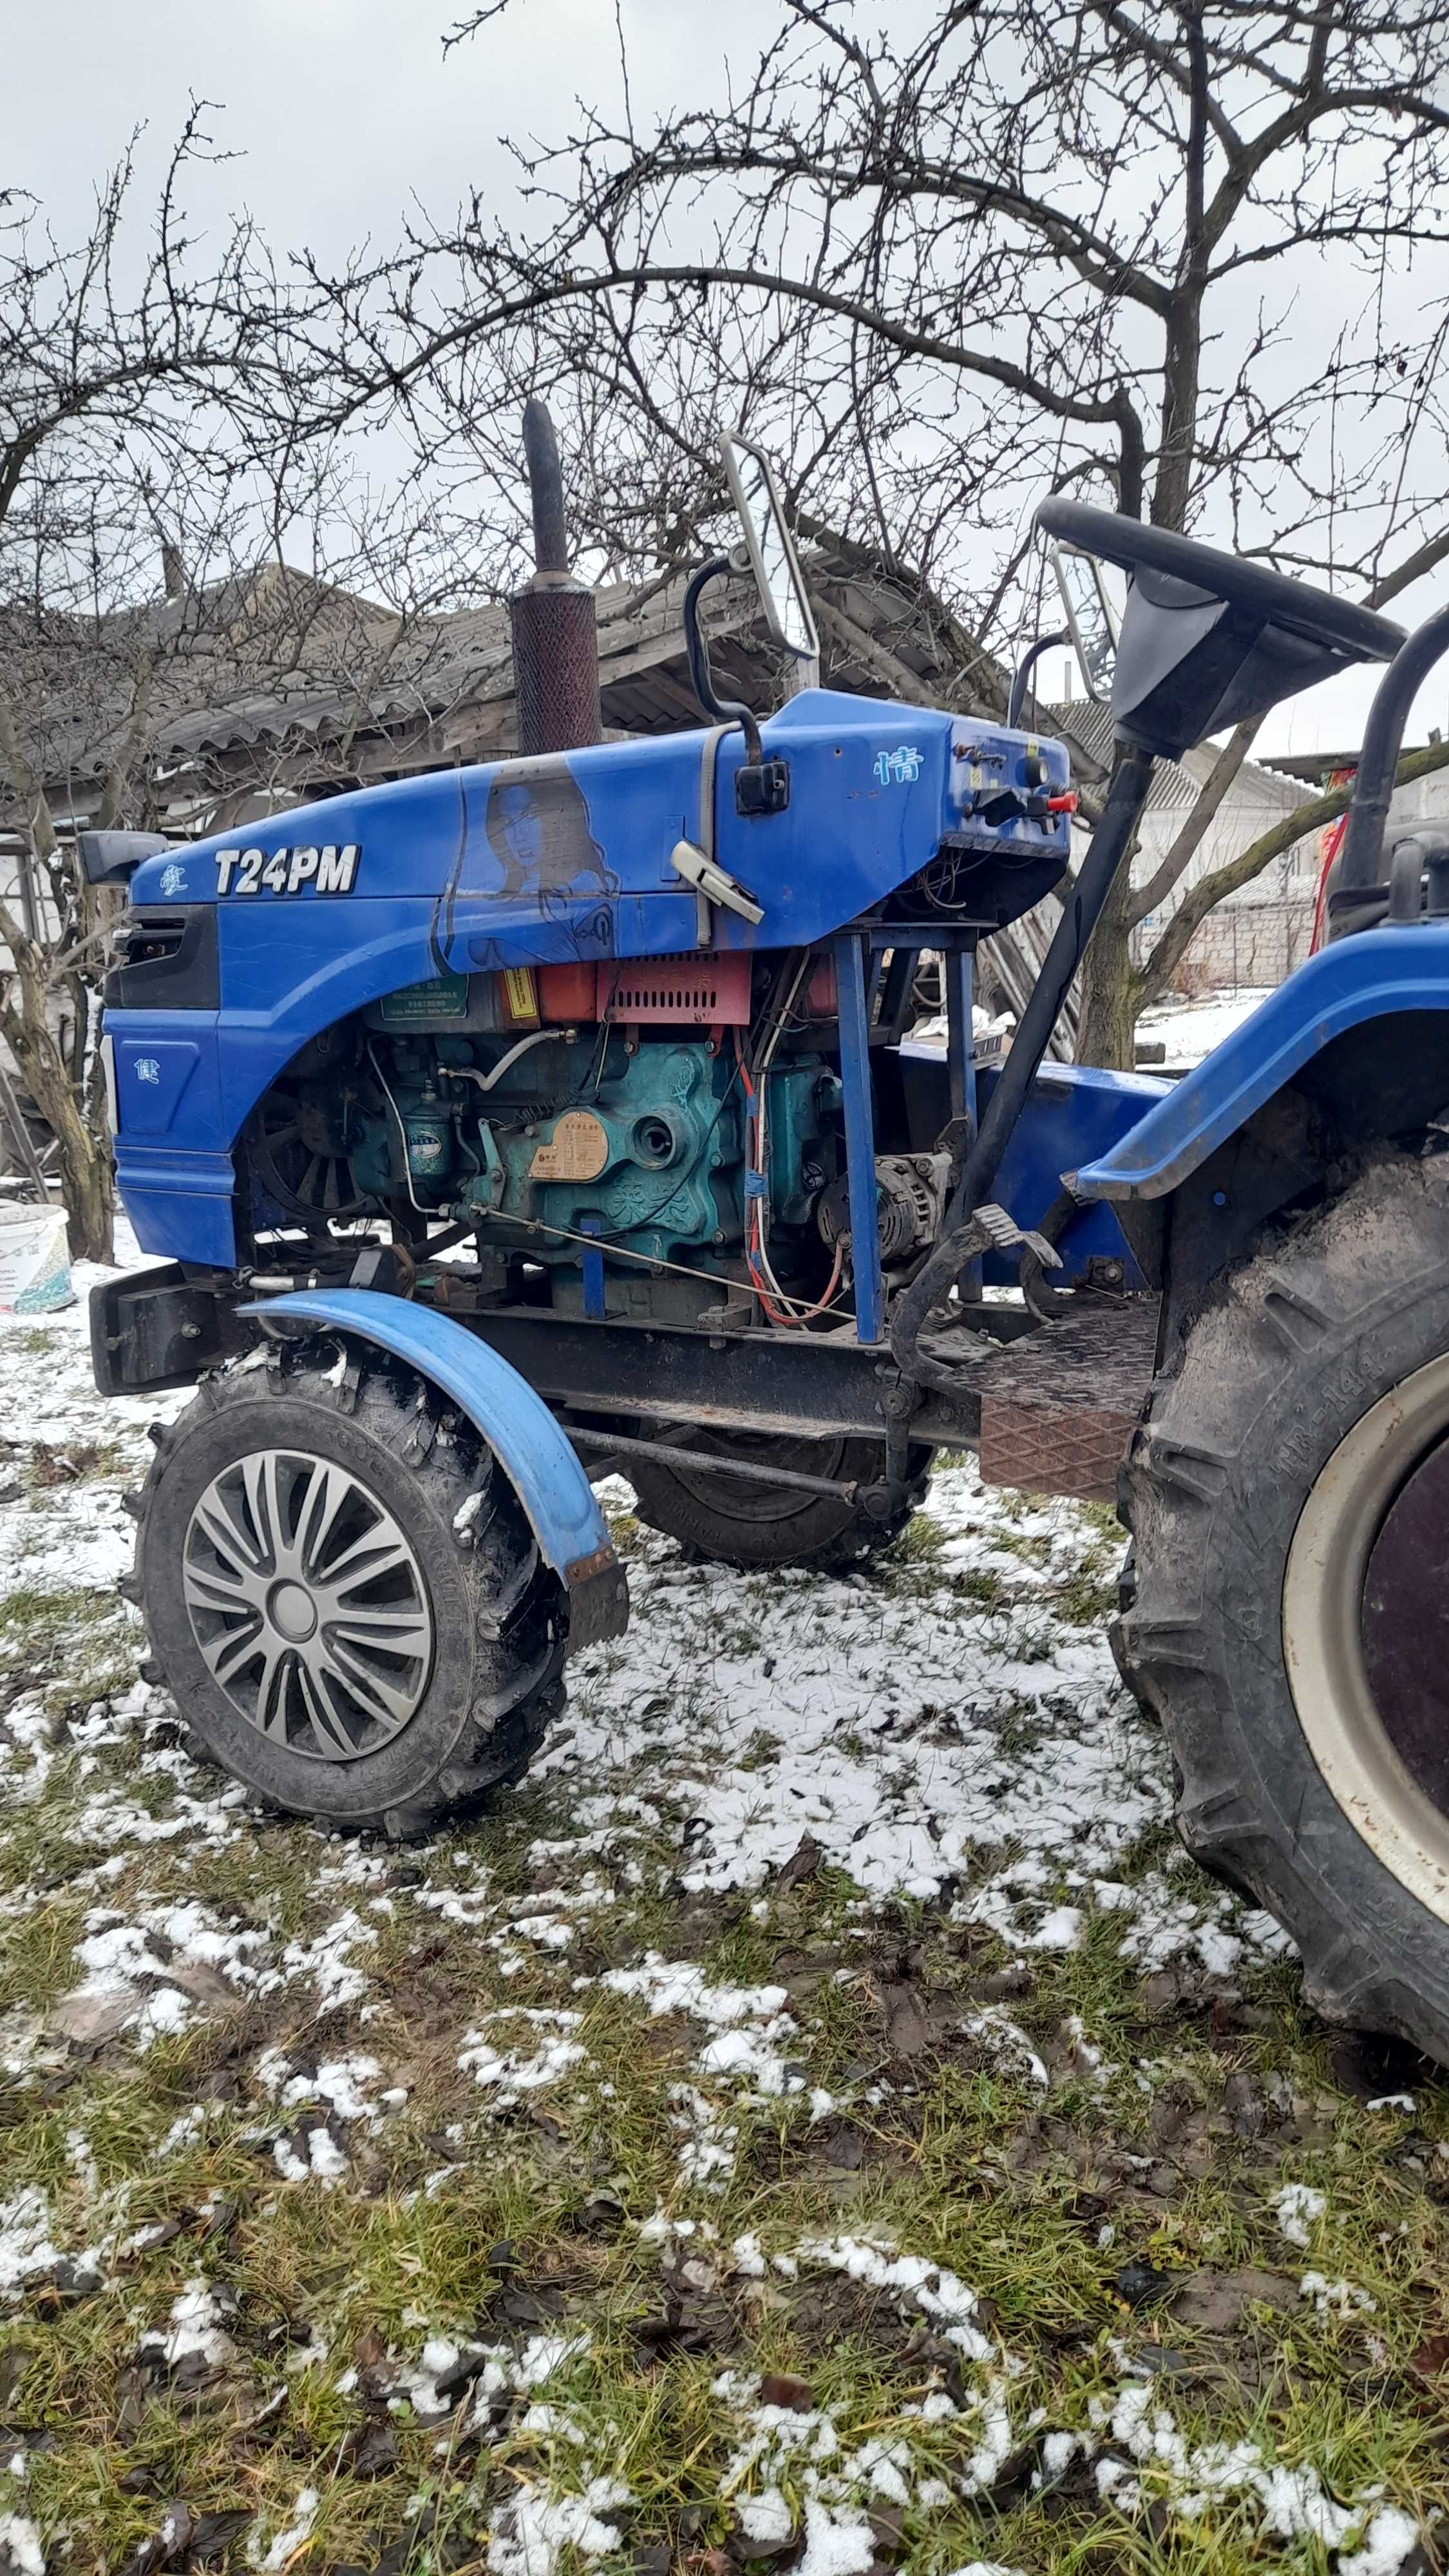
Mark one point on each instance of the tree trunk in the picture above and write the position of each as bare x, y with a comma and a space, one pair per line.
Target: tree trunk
85, 1158
1109, 998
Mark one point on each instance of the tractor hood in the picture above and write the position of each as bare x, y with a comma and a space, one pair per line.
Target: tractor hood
569, 854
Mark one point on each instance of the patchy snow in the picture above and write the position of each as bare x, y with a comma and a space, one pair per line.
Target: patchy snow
1139, 2453
937, 1726
270, 2556
341, 2082
869, 1716
1298, 2208
938, 2293
195, 2328
1387, 2542
678, 1986
318, 2159
533, 2529
1190, 1030
25, 2242
20, 2545
1336, 2298
337, 1977
507, 2073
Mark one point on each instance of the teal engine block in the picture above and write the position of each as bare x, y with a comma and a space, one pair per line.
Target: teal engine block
635, 1144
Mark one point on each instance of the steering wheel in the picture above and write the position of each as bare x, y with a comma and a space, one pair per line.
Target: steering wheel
1338, 624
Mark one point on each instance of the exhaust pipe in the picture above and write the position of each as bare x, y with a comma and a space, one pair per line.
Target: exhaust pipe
555, 642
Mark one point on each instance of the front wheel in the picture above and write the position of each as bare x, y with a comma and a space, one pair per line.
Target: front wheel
1288, 1496
344, 1596
751, 1522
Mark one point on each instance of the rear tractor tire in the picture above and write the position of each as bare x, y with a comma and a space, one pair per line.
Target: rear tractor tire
1288, 1497
344, 1595
748, 1522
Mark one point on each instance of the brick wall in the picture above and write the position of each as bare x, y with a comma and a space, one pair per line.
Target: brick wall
1246, 943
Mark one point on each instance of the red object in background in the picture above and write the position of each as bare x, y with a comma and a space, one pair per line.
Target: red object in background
1330, 842
701, 992
567, 994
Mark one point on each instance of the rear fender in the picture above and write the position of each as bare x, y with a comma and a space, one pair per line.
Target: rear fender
1379, 973
516, 1424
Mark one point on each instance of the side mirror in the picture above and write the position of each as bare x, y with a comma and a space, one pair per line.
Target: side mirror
107, 858
770, 547
1091, 618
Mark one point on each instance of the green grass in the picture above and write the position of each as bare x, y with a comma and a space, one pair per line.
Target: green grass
1043, 2200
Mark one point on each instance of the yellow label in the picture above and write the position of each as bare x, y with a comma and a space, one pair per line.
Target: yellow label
518, 987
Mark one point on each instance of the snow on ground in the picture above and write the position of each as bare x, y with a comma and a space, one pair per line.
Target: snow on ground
941, 1741
1190, 1030
872, 1720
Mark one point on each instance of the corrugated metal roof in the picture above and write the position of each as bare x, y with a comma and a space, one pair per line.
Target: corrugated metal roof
1176, 784
253, 685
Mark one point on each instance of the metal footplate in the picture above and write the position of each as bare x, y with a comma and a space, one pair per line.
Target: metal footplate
1059, 1406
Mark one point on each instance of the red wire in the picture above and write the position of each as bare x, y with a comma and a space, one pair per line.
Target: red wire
754, 1245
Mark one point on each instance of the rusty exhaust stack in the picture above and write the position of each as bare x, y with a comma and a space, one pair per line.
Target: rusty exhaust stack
555, 646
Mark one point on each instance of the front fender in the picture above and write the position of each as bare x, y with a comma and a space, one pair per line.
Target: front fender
517, 1425
1357, 979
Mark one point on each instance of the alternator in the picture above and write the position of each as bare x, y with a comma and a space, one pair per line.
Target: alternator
911, 1191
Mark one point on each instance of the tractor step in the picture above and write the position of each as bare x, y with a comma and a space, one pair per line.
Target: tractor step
1059, 1406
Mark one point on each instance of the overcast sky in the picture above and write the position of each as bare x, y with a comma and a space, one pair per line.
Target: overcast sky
340, 110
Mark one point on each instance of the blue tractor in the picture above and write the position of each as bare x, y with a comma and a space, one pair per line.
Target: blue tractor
505, 1126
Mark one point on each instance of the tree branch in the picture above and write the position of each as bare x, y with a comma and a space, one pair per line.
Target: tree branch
1210, 796
1152, 978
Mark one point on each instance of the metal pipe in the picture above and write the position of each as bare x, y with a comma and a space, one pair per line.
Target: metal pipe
551, 620
665, 1450
1110, 844
545, 485
859, 1137
24, 1142
1383, 735
521, 1046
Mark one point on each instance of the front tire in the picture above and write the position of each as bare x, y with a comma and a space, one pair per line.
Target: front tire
344, 1596
749, 1522
1290, 1624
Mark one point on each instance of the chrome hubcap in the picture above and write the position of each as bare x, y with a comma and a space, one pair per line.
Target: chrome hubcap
308, 1604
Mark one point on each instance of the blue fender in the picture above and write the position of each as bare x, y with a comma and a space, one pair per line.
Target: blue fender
1357, 979
517, 1425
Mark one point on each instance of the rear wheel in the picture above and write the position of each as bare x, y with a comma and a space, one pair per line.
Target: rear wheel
344, 1595
749, 1522
1288, 1495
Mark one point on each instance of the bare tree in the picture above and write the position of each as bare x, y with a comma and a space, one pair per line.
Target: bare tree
1165, 259
141, 387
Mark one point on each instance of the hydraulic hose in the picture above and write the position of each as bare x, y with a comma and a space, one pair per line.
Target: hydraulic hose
1110, 843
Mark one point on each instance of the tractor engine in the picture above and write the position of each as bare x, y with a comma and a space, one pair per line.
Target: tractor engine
562, 1111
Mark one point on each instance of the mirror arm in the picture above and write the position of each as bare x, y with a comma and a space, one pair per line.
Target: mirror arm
724, 710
